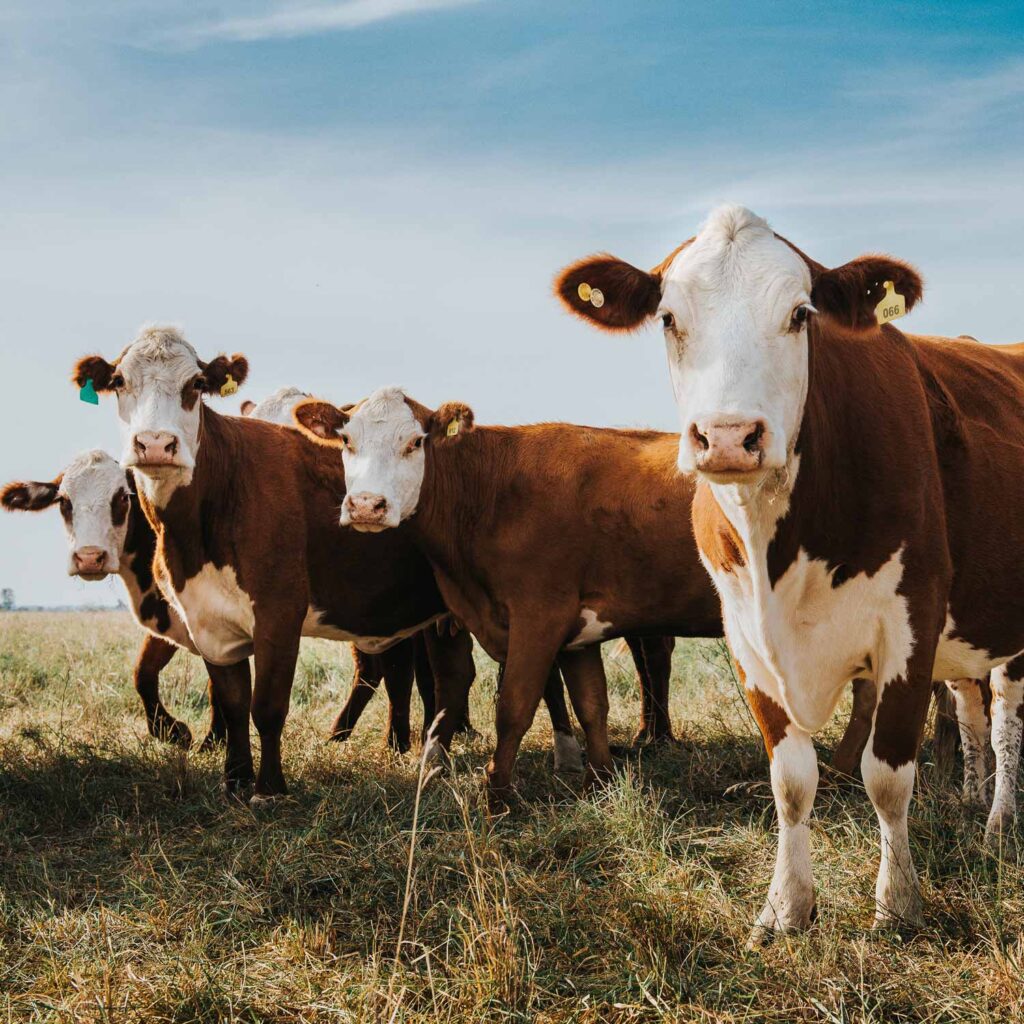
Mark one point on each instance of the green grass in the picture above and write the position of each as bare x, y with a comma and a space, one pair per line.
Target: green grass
130, 890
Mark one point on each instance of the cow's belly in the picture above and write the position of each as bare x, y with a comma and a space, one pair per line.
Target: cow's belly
314, 626
956, 658
219, 614
814, 638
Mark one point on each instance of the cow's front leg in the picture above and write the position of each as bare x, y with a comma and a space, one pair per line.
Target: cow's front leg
588, 690
367, 672
399, 674
794, 774
231, 693
568, 757
154, 656
1007, 725
447, 660
275, 657
972, 719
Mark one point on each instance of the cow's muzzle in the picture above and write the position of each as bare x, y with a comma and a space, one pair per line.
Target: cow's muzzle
366, 511
155, 449
91, 563
730, 448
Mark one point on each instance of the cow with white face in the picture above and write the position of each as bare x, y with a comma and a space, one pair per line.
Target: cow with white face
108, 535
827, 447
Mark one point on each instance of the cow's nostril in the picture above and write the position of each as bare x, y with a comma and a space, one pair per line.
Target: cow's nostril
699, 439
752, 442
172, 447
380, 505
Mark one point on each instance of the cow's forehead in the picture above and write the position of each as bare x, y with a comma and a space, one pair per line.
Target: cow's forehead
93, 477
387, 410
277, 408
159, 353
736, 252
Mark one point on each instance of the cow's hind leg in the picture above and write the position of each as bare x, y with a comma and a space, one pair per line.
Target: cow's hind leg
972, 719
653, 657
568, 757
451, 665
399, 673
1007, 725
588, 690
275, 658
231, 686
154, 654
849, 749
368, 671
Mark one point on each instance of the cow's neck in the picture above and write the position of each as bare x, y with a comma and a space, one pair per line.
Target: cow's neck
137, 556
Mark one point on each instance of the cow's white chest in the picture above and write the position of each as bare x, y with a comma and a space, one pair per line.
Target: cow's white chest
814, 638
313, 626
219, 614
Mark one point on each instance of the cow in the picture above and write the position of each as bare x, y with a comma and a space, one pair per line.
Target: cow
858, 504
250, 553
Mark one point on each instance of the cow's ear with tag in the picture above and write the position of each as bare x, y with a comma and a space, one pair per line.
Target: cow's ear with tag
608, 292
321, 421
451, 421
867, 291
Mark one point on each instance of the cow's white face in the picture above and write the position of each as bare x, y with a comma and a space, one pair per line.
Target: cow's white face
384, 462
159, 384
276, 408
94, 501
734, 309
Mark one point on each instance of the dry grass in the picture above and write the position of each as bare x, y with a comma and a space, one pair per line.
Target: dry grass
131, 891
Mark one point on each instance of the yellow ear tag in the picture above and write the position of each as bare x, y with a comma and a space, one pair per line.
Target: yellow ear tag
453, 428
892, 306
584, 292
229, 387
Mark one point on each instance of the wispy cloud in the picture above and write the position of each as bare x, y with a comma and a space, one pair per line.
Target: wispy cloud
291, 20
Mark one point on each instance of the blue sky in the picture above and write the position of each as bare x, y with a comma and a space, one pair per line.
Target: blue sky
368, 192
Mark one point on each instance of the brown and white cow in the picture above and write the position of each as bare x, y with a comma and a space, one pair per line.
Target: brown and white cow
859, 505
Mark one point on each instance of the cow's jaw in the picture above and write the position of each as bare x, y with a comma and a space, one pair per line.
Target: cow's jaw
738, 369
384, 462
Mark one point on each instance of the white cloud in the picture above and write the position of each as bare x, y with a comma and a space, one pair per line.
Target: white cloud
291, 20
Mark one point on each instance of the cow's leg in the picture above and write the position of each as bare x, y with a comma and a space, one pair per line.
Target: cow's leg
947, 728
851, 746
588, 690
232, 688
451, 662
794, 774
653, 657
972, 718
366, 676
531, 653
399, 672
154, 654
426, 685
276, 656
568, 755
217, 731
1007, 722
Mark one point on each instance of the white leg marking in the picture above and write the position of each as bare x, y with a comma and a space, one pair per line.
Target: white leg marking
568, 755
897, 892
974, 735
1007, 697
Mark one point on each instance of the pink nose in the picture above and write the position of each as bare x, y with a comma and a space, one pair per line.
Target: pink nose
156, 449
364, 508
90, 560
727, 446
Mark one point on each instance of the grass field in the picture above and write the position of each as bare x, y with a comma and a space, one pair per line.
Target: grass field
130, 890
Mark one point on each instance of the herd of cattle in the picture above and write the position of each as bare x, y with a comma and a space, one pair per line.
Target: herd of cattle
844, 502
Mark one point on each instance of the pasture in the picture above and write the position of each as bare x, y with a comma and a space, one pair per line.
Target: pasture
131, 890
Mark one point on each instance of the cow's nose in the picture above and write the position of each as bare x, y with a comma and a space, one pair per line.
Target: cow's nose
367, 508
152, 449
90, 561
734, 445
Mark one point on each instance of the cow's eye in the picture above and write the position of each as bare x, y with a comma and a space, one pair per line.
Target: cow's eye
117, 382
416, 442
65, 506
346, 441
199, 383
668, 321
799, 319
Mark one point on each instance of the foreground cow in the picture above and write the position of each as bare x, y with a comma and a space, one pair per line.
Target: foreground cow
860, 507
249, 552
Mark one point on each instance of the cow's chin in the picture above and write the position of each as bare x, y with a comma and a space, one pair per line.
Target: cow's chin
369, 527
91, 577
745, 477
158, 470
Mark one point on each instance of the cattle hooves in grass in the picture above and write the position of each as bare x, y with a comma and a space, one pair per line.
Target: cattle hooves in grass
999, 835
651, 738
568, 755
264, 802
176, 733
211, 741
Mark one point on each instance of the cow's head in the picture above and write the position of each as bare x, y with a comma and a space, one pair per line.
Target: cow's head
276, 408
159, 382
736, 304
93, 495
383, 441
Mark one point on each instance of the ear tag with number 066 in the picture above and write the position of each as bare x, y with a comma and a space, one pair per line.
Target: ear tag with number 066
892, 306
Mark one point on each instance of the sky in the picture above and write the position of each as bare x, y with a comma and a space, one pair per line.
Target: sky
365, 192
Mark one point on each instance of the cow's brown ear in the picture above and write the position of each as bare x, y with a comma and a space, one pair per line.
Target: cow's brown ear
247, 407
320, 420
96, 369
224, 376
32, 496
850, 293
450, 421
608, 292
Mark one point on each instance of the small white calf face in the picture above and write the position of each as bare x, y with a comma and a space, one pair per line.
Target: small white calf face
276, 408
93, 496
734, 308
384, 462
159, 382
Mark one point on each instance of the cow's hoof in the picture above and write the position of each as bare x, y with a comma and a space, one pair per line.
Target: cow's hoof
905, 918
237, 791
787, 917
176, 733
212, 741
999, 838
654, 738
261, 803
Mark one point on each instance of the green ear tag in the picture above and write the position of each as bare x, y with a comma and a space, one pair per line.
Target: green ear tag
88, 393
